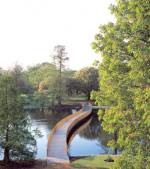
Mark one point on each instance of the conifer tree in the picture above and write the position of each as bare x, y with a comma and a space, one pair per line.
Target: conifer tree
59, 60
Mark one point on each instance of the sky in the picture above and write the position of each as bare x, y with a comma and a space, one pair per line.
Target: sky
29, 30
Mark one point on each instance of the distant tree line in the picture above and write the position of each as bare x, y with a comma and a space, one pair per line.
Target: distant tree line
48, 84
44, 82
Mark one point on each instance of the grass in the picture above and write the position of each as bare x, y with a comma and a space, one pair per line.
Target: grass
94, 162
74, 99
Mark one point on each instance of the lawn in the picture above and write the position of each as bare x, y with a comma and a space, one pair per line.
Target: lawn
74, 99
93, 162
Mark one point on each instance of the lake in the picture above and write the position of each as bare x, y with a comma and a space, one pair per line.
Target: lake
92, 140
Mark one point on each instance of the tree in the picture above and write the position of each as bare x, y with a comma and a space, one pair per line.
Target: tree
15, 138
125, 80
60, 58
72, 86
44, 78
21, 80
41, 100
54, 90
40, 73
88, 79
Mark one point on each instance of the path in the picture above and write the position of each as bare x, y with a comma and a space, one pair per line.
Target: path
57, 149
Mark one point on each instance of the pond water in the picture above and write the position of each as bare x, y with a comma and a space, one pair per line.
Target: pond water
92, 140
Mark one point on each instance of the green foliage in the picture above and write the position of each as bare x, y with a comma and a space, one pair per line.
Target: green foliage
15, 138
41, 99
94, 162
20, 79
44, 79
88, 79
72, 86
128, 161
40, 73
54, 89
59, 60
125, 77
56, 82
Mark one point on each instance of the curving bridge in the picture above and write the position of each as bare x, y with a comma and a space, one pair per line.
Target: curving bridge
62, 133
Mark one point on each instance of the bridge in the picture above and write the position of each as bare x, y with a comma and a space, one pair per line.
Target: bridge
64, 131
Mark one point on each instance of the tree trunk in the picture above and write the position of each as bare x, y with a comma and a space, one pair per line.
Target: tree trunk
60, 83
59, 101
6, 156
6, 150
115, 138
115, 151
89, 95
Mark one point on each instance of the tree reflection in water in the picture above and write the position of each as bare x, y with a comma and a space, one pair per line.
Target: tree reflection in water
92, 139
44, 122
50, 116
94, 131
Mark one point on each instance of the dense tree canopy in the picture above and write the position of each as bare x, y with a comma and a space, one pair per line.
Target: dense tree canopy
39, 73
44, 79
125, 80
21, 80
15, 138
72, 86
88, 79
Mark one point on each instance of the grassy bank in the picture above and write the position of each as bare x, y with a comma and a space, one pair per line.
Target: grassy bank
93, 162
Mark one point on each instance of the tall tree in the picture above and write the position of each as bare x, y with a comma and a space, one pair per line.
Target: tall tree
15, 138
125, 80
60, 58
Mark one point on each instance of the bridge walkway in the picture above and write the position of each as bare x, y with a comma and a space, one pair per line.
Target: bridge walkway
57, 149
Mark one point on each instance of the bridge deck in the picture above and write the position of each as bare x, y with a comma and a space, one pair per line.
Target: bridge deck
57, 150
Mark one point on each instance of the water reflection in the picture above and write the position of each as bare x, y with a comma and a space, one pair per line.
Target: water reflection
90, 141
50, 117
44, 122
